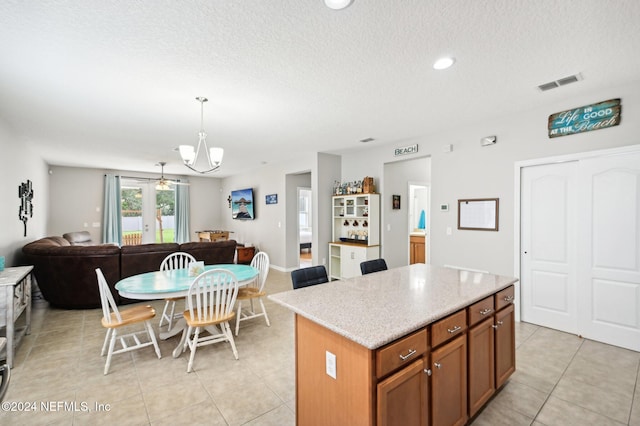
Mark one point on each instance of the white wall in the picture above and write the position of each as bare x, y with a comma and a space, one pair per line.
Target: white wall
206, 204
394, 224
268, 231
18, 163
472, 171
76, 198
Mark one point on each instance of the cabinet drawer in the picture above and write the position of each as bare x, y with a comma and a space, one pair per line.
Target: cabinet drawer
480, 310
401, 352
448, 327
504, 297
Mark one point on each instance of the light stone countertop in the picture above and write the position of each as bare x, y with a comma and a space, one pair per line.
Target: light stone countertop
375, 309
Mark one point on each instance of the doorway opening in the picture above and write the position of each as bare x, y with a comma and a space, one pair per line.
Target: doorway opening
148, 213
305, 226
419, 198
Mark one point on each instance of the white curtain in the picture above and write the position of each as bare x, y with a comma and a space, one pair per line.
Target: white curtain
182, 214
112, 211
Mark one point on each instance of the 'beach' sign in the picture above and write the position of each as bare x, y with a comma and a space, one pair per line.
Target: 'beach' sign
412, 149
584, 119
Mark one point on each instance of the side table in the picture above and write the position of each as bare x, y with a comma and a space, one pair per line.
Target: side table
15, 298
245, 254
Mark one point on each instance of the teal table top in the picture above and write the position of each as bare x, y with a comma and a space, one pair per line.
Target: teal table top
175, 283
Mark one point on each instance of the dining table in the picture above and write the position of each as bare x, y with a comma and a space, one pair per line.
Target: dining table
175, 283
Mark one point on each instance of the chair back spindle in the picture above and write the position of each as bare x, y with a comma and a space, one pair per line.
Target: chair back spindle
106, 299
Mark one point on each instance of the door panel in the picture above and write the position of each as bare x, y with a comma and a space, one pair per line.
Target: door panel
548, 257
609, 249
550, 291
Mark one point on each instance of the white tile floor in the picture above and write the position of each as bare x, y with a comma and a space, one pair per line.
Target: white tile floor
560, 379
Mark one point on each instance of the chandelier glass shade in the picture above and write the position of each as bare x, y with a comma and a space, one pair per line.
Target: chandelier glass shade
337, 4
190, 154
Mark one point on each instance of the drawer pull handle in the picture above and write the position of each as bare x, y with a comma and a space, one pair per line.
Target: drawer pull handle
454, 329
411, 353
485, 311
509, 298
499, 323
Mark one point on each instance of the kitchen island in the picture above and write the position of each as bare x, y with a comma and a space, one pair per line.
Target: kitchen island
395, 347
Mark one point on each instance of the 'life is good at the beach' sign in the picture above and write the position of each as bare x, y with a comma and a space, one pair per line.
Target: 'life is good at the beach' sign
584, 119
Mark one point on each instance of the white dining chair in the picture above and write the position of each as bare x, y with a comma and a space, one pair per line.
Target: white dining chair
177, 260
113, 319
210, 302
254, 291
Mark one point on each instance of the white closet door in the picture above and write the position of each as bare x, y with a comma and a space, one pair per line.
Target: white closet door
609, 250
548, 249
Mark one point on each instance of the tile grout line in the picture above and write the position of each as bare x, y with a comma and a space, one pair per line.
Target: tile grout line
574, 403
535, 419
636, 391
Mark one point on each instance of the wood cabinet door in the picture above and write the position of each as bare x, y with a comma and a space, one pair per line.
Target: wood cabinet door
403, 398
449, 383
420, 254
505, 335
417, 252
481, 365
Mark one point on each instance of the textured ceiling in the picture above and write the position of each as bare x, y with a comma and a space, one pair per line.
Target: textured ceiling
112, 83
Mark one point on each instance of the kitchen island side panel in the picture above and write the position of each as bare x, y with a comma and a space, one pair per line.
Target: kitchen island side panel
350, 395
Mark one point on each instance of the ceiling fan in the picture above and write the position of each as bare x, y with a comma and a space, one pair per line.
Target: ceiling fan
164, 184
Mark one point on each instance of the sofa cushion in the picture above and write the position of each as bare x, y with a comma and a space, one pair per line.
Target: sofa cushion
144, 258
79, 238
66, 274
212, 253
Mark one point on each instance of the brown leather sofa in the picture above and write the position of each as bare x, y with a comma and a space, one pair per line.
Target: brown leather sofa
66, 273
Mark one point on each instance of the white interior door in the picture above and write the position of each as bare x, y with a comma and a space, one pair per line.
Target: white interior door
609, 250
548, 249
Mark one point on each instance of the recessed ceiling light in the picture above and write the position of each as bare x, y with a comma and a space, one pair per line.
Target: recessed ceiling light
337, 4
443, 63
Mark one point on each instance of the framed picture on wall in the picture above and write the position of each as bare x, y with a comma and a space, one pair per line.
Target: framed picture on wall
271, 198
478, 214
396, 202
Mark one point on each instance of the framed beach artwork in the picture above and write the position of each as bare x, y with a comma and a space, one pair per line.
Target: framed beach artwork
242, 206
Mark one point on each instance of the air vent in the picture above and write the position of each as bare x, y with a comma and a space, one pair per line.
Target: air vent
567, 80
560, 82
366, 140
548, 86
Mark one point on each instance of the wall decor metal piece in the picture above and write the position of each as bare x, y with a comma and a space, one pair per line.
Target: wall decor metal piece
585, 119
25, 193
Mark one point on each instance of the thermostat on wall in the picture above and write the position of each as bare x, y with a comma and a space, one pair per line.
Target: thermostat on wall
444, 207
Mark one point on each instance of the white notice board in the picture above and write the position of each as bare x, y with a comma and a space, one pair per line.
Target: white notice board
478, 214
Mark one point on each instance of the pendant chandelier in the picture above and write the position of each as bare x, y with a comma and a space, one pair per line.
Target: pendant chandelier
190, 154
